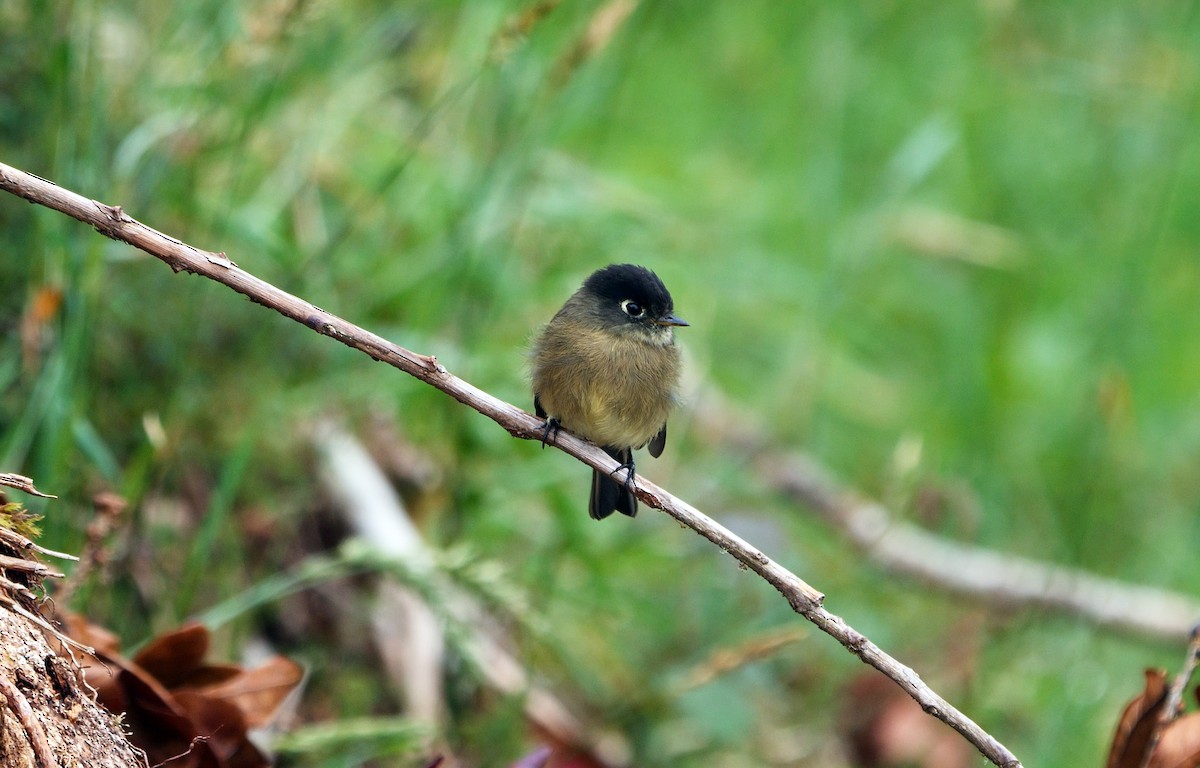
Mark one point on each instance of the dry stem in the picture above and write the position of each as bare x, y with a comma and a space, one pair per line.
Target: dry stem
20, 482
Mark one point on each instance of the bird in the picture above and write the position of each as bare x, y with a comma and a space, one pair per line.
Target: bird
606, 368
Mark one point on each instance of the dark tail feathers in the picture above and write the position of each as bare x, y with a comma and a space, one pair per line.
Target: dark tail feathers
610, 492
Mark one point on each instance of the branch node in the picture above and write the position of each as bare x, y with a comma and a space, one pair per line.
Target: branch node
431, 362
220, 259
113, 212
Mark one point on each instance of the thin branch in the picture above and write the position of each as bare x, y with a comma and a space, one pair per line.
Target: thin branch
113, 222
1175, 695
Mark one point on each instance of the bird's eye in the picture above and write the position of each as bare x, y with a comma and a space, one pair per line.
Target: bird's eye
632, 308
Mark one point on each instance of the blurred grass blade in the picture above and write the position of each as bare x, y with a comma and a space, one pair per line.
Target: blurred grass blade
919, 154
309, 573
201, 557
372, 736
96, 450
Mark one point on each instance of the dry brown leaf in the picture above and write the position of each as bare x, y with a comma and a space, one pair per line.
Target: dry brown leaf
173, 657
157, 723
258, 692
208, 675
224, 725
1136, 726
183, 712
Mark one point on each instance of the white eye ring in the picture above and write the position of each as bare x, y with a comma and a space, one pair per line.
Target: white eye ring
632, 308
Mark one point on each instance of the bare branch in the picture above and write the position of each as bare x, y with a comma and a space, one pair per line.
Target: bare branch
112, 222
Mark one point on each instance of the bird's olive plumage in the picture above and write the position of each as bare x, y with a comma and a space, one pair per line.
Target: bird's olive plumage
606, 368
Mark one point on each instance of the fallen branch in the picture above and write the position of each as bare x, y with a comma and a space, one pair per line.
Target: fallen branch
113, 222
1001, 578
409, 625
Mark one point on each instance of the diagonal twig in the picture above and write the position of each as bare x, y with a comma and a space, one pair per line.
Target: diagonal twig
113, 222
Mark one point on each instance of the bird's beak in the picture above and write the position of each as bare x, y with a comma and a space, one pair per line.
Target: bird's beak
671, 320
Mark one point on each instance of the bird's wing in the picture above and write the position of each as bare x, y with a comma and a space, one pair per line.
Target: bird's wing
537, 408
658, 442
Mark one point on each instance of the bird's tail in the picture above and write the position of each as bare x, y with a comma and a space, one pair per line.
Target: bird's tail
611, 492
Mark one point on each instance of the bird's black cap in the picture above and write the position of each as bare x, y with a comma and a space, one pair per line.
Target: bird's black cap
629, 281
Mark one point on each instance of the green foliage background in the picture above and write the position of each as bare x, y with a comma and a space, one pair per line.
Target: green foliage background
950, 249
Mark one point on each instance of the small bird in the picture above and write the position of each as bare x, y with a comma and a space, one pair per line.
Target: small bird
606, 368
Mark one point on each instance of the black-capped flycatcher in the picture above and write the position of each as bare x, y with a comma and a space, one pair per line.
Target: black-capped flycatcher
606, 368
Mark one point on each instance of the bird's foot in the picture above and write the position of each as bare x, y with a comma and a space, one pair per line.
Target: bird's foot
550, 431
629, 469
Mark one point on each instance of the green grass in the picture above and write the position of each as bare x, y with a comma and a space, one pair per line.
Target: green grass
965, 226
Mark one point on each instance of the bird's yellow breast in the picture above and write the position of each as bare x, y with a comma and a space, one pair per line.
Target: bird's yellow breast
614, 388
